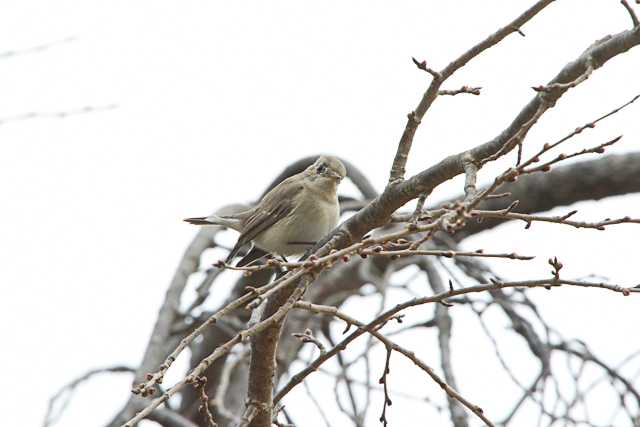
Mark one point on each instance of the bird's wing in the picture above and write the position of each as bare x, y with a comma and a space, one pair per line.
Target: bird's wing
274, 206
254, 254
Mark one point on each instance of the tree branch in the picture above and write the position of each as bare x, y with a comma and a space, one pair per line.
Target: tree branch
416, 116
378, 212
632, 13
606, 176
443, 296
444, 323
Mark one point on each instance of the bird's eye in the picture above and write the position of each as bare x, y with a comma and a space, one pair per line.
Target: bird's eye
321, 168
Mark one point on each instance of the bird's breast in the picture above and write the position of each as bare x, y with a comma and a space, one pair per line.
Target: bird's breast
311, 219
314, 218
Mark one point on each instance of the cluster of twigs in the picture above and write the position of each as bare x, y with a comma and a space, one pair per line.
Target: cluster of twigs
394, 245
368, 248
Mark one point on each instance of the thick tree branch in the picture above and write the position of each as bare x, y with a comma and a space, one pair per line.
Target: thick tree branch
378, 212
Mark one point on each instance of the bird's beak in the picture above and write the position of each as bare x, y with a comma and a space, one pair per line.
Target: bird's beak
336, 176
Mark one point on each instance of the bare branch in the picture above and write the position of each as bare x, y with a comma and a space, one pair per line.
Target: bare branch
384, 381
422, 65
380, 210
88, 109
307, 337
37, 48
471, 175
220, 351
372, 328
443, 296
447, 254
201, 384
347, 241
463, 89
562, 186
561, 219
416, 116
632, 13
168, 418
67, 391
444, 323
563, 87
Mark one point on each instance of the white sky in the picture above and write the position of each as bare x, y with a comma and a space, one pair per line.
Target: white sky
213, 100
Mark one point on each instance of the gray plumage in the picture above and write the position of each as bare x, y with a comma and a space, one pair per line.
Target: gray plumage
291, 217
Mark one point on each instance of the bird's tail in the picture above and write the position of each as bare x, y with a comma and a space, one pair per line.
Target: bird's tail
225, 221
202, 220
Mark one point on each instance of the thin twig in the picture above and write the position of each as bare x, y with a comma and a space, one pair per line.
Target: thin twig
67, 391
632, 13
217, 353
416, 116
560, 219
58, 114
201, 384
447, 254
464, 89
371, 328
37, 48
385, 317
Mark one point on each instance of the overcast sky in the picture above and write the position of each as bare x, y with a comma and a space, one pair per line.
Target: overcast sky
201, 103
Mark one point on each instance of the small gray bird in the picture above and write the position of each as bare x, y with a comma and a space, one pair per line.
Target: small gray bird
291, 217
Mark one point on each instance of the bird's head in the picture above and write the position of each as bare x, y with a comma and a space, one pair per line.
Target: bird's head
327, 170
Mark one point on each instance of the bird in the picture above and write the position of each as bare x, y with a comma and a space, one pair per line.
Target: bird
291, 217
